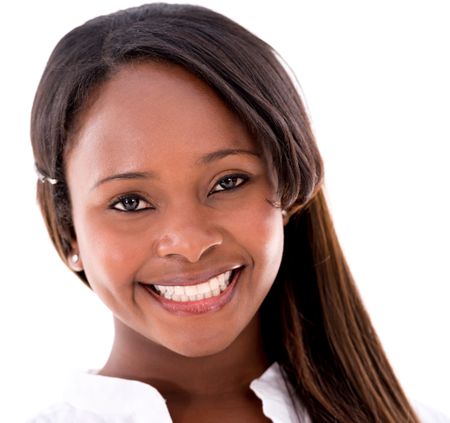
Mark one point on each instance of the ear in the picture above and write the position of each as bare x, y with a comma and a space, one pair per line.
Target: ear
74, 259
286, 217
294, 209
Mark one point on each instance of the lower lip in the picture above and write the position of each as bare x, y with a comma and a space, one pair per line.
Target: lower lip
200, 306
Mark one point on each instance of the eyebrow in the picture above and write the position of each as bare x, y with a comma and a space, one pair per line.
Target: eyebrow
220, 154
208, 158
125, 175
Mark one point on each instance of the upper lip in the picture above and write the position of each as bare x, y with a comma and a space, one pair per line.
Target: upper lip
181, 279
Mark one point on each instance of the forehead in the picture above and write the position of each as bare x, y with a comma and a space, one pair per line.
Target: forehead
154, 108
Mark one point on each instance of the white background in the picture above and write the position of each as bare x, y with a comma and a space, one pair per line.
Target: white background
375, 76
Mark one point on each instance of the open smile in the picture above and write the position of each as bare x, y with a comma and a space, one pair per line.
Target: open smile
210, 288
197, 298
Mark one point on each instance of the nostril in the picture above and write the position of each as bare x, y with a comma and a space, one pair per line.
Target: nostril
188, 243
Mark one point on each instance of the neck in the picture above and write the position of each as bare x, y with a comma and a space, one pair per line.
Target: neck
227, 372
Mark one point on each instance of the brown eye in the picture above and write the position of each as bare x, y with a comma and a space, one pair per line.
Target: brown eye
131, 203
229, 182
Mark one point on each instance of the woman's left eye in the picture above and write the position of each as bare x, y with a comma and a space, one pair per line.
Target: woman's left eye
229, 182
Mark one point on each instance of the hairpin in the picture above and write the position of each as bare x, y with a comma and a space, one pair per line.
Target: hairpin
44, 178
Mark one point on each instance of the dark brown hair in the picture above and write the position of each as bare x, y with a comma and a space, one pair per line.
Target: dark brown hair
314, 323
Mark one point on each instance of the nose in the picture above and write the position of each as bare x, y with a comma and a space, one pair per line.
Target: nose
188, 234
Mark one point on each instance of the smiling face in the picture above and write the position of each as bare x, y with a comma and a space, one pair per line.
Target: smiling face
169, 189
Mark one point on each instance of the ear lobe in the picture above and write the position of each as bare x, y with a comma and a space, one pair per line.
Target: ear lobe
286, 217
75, 263
287, 214
74, 260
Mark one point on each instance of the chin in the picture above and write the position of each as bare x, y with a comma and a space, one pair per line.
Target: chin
195, 348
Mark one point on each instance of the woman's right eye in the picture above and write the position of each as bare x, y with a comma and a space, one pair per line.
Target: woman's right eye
131, 203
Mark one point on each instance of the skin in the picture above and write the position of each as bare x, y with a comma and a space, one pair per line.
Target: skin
158, 124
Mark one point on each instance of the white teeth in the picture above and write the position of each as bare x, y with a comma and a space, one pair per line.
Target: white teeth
178, 290
214, 283
207, 289
223, 279
203, 288
190, 290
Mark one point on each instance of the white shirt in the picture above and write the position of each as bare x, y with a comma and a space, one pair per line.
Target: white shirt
100, 399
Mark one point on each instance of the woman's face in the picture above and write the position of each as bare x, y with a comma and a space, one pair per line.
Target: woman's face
172, 208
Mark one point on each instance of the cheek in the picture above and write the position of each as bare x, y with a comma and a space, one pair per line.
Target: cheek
262, 231
110, 256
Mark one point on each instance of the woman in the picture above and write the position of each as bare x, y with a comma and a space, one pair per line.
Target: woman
181, 181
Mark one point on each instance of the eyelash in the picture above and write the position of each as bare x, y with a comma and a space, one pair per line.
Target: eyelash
138, 199
244, 179
123, 198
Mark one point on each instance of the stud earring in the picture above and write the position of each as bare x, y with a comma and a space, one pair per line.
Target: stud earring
75, 258
283, 213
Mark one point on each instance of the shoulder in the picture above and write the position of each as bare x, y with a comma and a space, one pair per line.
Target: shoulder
428, 415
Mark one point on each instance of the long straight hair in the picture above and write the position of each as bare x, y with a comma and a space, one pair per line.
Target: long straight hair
313, 321
317, 328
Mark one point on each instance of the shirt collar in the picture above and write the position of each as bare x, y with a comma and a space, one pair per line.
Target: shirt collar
277, 402
112, 396
106, 395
